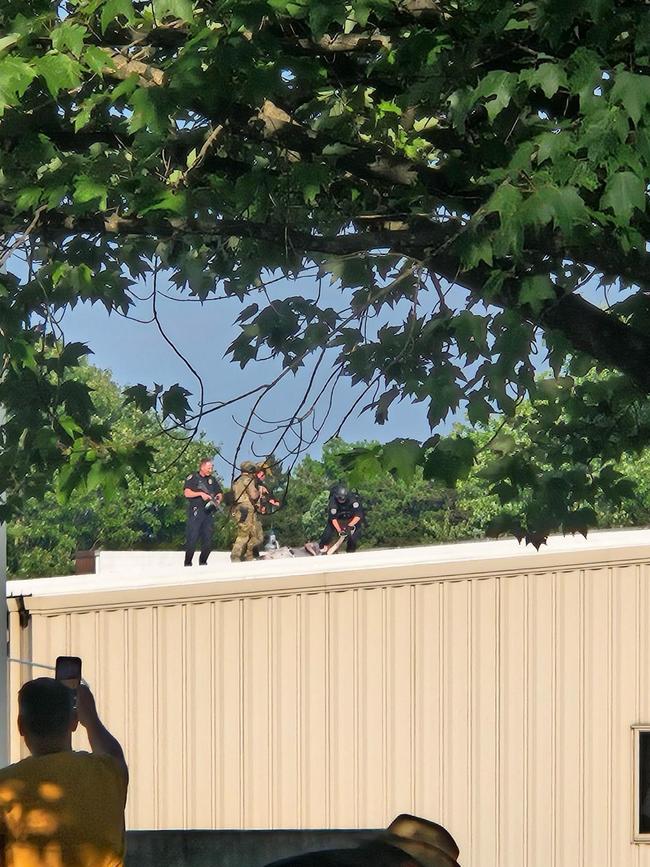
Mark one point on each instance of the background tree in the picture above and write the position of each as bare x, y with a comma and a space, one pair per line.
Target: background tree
401, 511
140, 513
548, 460
395, 148
409, 510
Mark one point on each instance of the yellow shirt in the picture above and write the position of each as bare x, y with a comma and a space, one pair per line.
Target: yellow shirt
63, 810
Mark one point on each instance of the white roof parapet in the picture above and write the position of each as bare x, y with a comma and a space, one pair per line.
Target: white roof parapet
141, 569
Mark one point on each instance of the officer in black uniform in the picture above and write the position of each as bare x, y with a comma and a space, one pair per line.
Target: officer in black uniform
344, 516
203, 494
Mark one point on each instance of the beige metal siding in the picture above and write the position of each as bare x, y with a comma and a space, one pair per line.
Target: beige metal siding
497, 702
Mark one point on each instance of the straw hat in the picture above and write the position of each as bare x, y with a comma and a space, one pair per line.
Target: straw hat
429, 844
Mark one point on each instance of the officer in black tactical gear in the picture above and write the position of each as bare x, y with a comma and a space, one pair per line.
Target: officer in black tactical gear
344, 516
203, 494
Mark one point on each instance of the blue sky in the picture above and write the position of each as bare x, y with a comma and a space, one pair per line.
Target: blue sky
136, 352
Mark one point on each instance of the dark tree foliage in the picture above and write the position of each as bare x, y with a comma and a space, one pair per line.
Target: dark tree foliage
395, 148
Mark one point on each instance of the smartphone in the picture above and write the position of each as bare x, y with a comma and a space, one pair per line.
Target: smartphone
68, 671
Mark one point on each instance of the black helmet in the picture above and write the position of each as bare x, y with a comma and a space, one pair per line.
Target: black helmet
340, 493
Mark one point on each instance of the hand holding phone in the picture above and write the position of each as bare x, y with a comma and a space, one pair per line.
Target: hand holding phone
68, 671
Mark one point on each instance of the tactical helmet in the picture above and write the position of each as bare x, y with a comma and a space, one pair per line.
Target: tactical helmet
248, 467
340, 493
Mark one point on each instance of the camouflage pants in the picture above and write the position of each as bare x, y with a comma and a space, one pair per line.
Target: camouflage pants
250, 535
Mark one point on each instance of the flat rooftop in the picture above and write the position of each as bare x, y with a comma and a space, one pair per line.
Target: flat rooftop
129, 570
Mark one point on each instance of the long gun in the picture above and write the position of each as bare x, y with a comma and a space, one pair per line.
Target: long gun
211, 505
267, 502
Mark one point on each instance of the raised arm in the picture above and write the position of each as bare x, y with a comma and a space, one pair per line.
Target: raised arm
102, 742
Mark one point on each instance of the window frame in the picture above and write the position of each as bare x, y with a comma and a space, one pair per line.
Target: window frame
637, 835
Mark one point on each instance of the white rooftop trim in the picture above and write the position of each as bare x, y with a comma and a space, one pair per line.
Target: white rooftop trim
142, 569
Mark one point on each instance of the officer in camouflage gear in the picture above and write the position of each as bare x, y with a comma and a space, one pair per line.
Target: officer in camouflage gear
245, 496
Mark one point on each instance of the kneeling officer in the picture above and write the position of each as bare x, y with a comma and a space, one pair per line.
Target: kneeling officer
345, 515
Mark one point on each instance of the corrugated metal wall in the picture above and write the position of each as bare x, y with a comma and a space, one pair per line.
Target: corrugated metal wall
499, 704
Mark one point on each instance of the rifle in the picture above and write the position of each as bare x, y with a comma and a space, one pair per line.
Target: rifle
343, 537
210, 506
266, 502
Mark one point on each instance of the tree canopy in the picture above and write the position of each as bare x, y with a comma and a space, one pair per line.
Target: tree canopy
467, 179
48, 528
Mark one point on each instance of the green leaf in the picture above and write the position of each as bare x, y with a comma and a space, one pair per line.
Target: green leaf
476, 251
146, 111
494, 284
73, 352
324, 13
444, 391
550, 77
450, 460
625, 192
401, 457
362, 464
177, 9
388, 107
561, 205
310, 177
586, 75
96, 59
505, 201
87, 189
383, 404
470, 331
517, 24
632, 91
503, 443
60, 72
86, 109
69, 425
580, 521
125, 88
69, 37
535, 291
28, 198
75, 397
504, 525
479, 410
9, 40
113, 9
175, 402
498, 87
95, 476
140, 396
553, 146
169, 200
15, 78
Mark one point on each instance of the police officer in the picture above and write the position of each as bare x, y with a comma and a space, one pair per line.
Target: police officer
203, 494
344, 516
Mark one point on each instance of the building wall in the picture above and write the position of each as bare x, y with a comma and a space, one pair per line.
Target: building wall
497, 702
